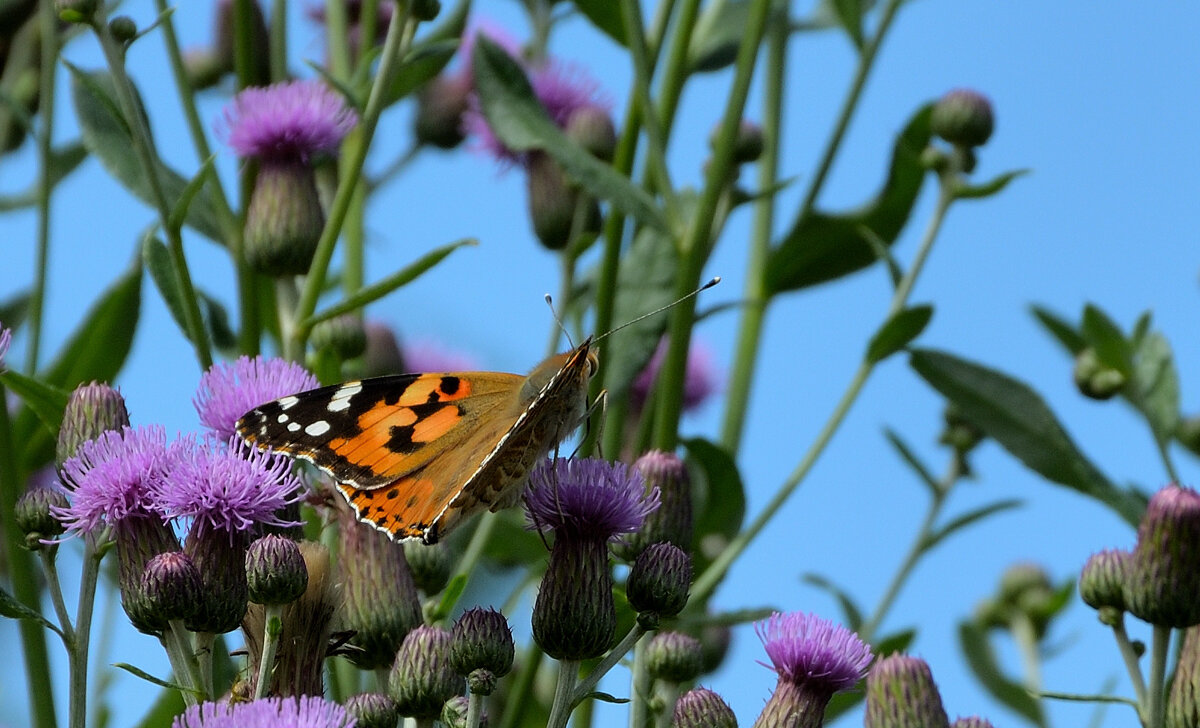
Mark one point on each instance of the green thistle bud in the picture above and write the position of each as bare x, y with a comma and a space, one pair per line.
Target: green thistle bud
454, 713
171, 586
343, 335
901, 693
422, 678
425, 9
1095, 380
592, 128
139, 540
123, 29
1102, 581
1183, 702
373, 710
972, 721
574, 616
553, 198
221, 558
91, 409
440, 107
715, 639
34, 516
963, 118
747, 147
1025, 593
482, 648
659, 580
1161, 578
959, 433
275, 571
431, 565
284, 221
672, 521
76, 11
381, 603
674, 657
702, 708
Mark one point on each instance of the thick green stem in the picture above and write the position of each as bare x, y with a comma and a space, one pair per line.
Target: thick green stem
177, 643
564, 689
640, 685
474, 710
204, 660
589, 683
1026, 638
272, 628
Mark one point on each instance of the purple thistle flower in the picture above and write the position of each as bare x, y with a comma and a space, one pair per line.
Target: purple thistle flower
227, 489
288, 122
699, 379
228, 391
304, 712
588, 497
114, 478
5, 340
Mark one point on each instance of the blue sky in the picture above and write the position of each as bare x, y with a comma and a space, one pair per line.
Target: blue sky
1099, 100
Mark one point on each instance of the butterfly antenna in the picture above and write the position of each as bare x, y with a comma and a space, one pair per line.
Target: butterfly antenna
711, 282
557, 320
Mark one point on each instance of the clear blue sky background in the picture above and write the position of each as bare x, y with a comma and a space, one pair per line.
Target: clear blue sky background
1098, 99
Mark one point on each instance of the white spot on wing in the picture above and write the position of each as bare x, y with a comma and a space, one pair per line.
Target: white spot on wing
282, 418
288, 402
294, 427
341, 398
316, 429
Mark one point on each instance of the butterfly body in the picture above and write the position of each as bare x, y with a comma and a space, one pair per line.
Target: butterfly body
416, 454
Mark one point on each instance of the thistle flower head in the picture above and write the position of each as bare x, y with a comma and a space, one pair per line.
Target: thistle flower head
305, 712
229, 390
901, 693
674, 657
671, 522
1161, 579
288, 122
963, 117
170, 587
34, 514
808, 650
482, 648
659, 580
114, 478
588, 498
275, 570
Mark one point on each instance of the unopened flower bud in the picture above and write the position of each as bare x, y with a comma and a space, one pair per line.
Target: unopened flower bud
553, 199
1094, 379
1025, 593
1161, 578
659, 580
123, 29
381, 603
382, 355
284, 221
275, 570
171, 586
344, 335
702, 708
963, 117
591, 127
76, 11
1183, 702
425, 9
901, 693
455, 713
440, 108
482, 648
674, 657
373, 710
34, 517
422, 678
1102, 582
959, 433
91, 409
431, 565
747, 147
672, 521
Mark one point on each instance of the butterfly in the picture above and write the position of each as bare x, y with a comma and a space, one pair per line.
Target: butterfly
416, 454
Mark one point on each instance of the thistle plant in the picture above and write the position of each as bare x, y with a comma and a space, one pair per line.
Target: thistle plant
310, 190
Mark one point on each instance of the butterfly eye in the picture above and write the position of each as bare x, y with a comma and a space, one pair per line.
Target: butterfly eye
593, 363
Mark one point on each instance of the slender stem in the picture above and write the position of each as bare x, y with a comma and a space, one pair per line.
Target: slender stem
737, 399
564, 689
50, 566
1027, 643
640, 685
518, 702
272, 628
1132, 665
93, 556
337, 37
1156, 690
48, 30
675, 74
474, 710
178, 645
614, 656
399, 39
1165, 455
278, 33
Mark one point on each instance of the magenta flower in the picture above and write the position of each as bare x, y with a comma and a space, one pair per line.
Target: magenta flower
588, 497
114, 478
700, 380
228, 391
288, 122
304, 712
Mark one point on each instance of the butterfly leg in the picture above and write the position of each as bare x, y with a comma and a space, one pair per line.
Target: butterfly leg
600, 403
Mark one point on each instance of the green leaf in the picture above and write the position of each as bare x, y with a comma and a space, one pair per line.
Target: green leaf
982, 661
605, 15
729, 619
520, 121
989, 188
450, 25
13, 310
853, 614
421, 65
1154, 387
512, 545
1058, 327
924, 474
897, 332
605, 698
151, 679
717, 36
450, 596
216, 322
162, 271
13, 609
106, 135
966, 519
1015, 416
718, 500
822, 247
893, 643
850, 15
188, 194
47, 402
168, 705
1086, 698
1107, 340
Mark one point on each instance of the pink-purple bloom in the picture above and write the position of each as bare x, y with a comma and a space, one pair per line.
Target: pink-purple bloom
699, 383
288, 122
588, 497
229, 390
227, 488
806, 649
115, 477
303, 712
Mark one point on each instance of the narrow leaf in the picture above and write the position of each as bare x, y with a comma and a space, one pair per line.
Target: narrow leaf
822, 247
982, 661
989, 188
966, 519
46, 401
188, 194
151, 679
849, 15
157, 260
1061, 330
898, 332
1016, 417
717, 36
853, 614
910, 457
520, 121
893, 643
14, 310
13, 609
605, 15
450, 596
1086, 698
605, 698
419, 67
1107, 340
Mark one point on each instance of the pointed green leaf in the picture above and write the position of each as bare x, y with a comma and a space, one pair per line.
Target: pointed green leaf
898, 332
966, 519
216, 323
853, 615
717, 36
1016, 417
1154, 387
893, 643
162, 271
13, 609
718, 500
47, 402
1107, 340
989, 188
982, 661
822, 247
605, 15
188, 194
605, 698
1061, 330
450, 596
520, 121
151, 679
849, 16
1086, 698
421, 65
729, 619
14, 310
924, 474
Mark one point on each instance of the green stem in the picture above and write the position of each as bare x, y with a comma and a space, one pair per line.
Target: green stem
564, 689
737, 399
675, 74
177, 643
614, 656
272, 628
708, 581
1132, 665
1165, 455
1027, 643
522, 689
399, 39
337, 36
278, 33
81, 638
48, 30
697, 241
666, 694
640, 686
23, 579
204, 661
1156, 690
49, 561
475, 710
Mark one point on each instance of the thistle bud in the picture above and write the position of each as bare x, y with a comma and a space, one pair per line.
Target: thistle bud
284, 221
382, 355
1102, 582
1025, 592
553, 199
481, 648
672, 522
343, 335
964, 118
1183, 702
275, 570
440, 108
1095, 380
456, 711
674, 657
35, 518
959, 433
659, 580
431, 565
425, 10
901, 693
76, 11
373, 710
123, 29
171, 586
1161, 579
422, 678
91, 409
221, 559
702, 708
747, 147
592, 128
